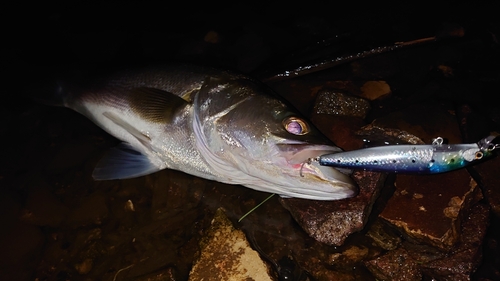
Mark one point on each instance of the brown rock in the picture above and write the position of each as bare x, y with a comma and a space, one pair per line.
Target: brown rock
462, 261
227, 255
331, 222
395, 265
383, 236
430, 208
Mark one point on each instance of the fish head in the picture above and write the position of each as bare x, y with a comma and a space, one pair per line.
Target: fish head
261, 142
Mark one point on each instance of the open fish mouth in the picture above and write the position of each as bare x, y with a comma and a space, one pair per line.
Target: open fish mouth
302, 158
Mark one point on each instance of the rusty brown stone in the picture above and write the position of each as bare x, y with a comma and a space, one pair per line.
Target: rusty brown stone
331, 222
440, 199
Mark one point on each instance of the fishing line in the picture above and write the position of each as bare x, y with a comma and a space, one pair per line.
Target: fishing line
253, 209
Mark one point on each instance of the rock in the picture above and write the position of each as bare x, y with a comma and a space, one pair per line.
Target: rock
227, 255
340, 129
374, 135
337, 103
463, 260
373, 90
383, 236
459, 263
395, 265
442, 199
331, 222
488, 173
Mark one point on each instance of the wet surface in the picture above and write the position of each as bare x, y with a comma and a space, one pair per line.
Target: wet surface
59, 224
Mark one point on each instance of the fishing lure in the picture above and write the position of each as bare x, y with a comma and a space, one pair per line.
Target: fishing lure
421, 159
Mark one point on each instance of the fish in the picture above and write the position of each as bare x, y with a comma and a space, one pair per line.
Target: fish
413, 159
207, 122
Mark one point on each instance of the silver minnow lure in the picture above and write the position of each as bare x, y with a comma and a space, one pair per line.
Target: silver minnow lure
421, 159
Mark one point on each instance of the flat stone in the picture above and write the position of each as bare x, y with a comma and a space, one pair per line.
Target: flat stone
430, 208
227, 255
331, 222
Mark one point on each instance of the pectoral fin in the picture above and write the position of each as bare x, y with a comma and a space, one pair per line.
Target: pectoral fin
123, 162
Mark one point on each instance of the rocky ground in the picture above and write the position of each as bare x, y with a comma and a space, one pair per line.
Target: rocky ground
59, 224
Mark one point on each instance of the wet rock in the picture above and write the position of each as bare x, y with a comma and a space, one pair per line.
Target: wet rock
395, 265
337, 103
227, 255
92, 209
416, 260
463, 260
442, 199
373, 90
383, 236
488, 178
331, 222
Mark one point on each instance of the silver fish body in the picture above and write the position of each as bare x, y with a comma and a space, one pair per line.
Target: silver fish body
209, 123
420, 159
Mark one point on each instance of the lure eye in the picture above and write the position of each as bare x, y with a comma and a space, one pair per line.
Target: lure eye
296, 126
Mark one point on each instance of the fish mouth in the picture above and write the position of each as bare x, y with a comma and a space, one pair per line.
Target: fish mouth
302, 159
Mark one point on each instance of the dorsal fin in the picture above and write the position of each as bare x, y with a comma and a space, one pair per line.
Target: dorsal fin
155, 105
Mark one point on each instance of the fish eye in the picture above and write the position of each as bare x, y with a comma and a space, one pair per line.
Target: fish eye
296, 126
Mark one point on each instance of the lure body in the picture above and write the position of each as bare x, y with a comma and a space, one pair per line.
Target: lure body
420, 159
